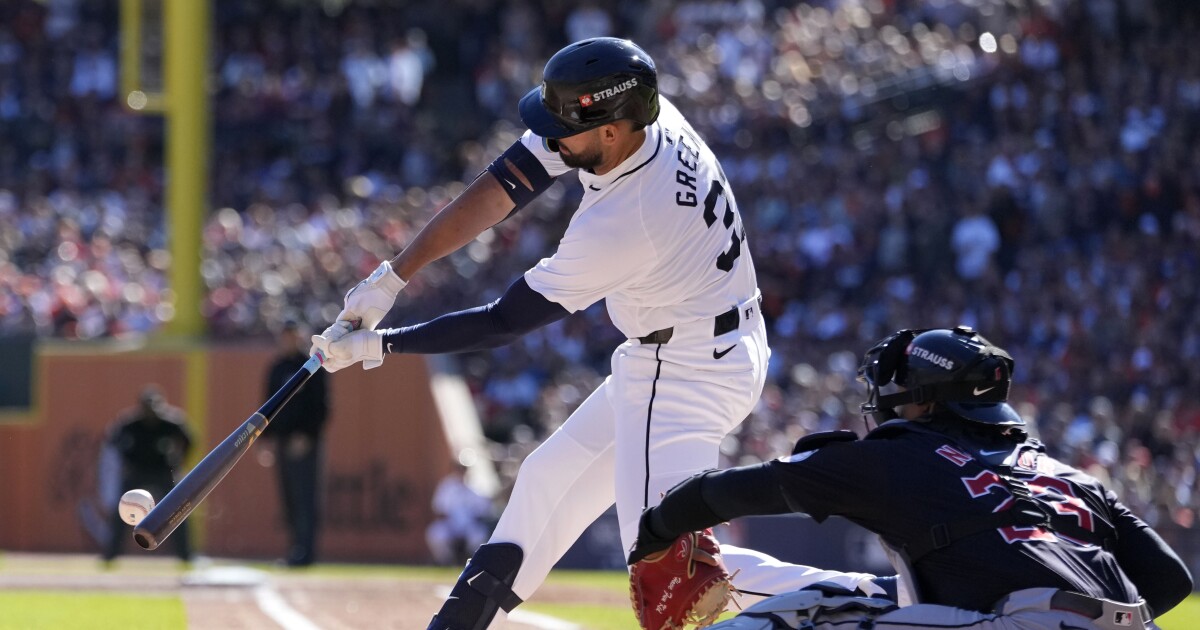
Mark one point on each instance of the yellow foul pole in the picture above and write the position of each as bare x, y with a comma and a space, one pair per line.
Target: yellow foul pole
186, 30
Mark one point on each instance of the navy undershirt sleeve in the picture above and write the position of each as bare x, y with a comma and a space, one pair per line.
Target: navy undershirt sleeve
518, 311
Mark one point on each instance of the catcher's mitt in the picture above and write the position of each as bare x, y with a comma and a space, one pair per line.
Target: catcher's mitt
685, 584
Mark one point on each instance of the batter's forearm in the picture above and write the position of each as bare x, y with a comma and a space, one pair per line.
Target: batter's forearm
482, 205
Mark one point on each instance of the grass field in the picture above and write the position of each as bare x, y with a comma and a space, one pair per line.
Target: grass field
50, 608
1184, 617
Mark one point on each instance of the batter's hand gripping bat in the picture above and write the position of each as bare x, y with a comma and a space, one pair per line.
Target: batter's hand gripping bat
189, 492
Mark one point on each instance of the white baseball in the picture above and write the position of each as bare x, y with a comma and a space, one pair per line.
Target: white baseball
135, 505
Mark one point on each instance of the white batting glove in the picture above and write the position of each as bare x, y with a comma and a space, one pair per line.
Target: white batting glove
336, 331
371, 299
320, 343
364, 346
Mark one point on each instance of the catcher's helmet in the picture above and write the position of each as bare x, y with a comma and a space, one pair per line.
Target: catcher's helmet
591, 83
957, 368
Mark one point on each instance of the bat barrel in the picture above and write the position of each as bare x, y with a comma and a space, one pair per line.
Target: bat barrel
166, 516
197, 484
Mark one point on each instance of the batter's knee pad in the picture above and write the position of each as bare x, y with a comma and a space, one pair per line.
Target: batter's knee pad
484, 587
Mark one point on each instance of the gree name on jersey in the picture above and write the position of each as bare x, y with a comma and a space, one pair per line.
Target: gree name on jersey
614, 90
688, 158
936, 359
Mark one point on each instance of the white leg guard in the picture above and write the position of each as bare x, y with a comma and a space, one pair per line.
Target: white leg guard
759, 576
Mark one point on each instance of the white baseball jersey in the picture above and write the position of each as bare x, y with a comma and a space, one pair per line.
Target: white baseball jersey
659, 236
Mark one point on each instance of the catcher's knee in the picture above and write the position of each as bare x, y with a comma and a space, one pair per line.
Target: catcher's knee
483, 588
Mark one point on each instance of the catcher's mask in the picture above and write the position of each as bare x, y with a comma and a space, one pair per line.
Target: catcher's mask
957, 368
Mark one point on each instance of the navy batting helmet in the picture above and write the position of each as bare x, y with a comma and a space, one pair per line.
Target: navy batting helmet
957, 368
592, 83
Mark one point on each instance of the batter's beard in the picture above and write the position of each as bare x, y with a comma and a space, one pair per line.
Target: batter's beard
587, 161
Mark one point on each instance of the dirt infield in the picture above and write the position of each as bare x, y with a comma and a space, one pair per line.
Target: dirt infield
332, 604
225, 595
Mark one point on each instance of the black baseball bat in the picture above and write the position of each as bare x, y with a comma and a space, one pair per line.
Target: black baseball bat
189, 492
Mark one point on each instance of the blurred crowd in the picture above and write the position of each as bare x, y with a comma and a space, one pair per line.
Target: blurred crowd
1030, 168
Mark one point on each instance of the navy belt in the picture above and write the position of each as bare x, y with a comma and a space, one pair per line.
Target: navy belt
726, 322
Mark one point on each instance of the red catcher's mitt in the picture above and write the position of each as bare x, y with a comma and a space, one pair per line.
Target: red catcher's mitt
686, 584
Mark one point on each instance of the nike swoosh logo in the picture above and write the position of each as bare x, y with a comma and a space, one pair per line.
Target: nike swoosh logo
718, 355
980, 392
472, 578
1003, 450
510, 184
389, 347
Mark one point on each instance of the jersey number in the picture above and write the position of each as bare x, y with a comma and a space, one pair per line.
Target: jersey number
729, 220
1052, 490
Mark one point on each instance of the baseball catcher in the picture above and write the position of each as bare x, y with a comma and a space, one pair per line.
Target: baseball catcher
986, 530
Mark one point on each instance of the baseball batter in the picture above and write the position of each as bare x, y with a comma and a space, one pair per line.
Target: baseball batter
986, 530
658, 236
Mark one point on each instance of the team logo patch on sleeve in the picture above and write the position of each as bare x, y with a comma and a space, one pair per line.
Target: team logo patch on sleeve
957, 457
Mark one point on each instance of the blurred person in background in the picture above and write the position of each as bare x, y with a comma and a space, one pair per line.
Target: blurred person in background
297, 433
151, 441
462, 516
